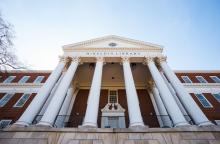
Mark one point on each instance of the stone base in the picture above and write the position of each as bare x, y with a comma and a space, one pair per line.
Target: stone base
45, 135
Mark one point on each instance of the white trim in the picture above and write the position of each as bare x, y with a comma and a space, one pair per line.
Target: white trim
10, 94
217, 122
13, 77
205, 99
38, 77
215, 96
5, 120
24, 78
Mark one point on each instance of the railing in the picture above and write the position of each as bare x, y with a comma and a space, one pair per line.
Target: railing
76, 120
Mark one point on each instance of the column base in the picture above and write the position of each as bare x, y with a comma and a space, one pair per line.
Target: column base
20, 124
44, 124
182, 124
207, 123
89, 125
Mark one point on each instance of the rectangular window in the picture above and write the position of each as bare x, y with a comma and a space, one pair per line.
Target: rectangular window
39, 79
5, 99
217, 97
201, 79
203, 101
217, 122
186, 79
22, 100
9, 79
113, 96
4, 123
24, 79
215, 78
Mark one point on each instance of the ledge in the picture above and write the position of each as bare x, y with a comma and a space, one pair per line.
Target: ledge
114, 130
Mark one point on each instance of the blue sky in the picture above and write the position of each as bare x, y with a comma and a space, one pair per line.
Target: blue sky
189, 30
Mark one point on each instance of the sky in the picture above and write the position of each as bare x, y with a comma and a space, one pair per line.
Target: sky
189, 30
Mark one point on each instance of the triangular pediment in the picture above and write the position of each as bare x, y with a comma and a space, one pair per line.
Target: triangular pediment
112, 41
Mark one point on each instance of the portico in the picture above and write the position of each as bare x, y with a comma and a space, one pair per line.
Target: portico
112, 63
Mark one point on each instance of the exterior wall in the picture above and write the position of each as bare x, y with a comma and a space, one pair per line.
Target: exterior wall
13, 113
80, 104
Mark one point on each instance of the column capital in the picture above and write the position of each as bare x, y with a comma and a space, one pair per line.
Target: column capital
76, 59
162, 59
61, 59
125, 59
100, 59
150, 85
147, 60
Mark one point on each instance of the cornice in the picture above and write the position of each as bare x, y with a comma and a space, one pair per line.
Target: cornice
28, 71
196, 71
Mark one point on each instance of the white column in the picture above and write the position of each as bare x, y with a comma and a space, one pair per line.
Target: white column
94, 96
62, 116
59, 96
39, 100
188, 102
166, 96
135, 117
161, 108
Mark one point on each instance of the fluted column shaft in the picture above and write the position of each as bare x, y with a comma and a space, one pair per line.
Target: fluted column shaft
132, 98
91, 115
168, 100
59, 96
188, 102
39, 100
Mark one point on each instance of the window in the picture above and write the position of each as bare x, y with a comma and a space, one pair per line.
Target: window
203, 101
186, 79
22, 100
217, 122
9, 79
39, 79
215, 78
24, 79
4, 123
217, 97
113, 96
5, 99
201, 79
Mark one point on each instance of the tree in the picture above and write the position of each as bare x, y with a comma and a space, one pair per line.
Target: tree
8, 59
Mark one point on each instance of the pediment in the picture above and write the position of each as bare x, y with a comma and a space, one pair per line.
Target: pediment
112, 41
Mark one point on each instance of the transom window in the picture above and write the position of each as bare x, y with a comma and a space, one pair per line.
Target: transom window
186, 79
22, 100
113, 96
201, 79
203, 101
24, 79
215, 78
5, 99
39, 79
4, 123
9, 79
217, 97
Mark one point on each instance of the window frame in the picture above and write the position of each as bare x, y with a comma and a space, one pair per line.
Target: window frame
5, 120
214, 95
8, 78
109, 95
35, 81
187, 79
205, 81
215, 77
211, 106
12, 94
16, 104
23, 78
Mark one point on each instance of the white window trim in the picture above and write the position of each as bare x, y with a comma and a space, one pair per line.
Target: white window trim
187, 78
8, 100
217, 122
205, 99
15, 105
202, 78
7, 120
20, 81
215, 97
8, 78
213, 79
109, 94
35, 81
